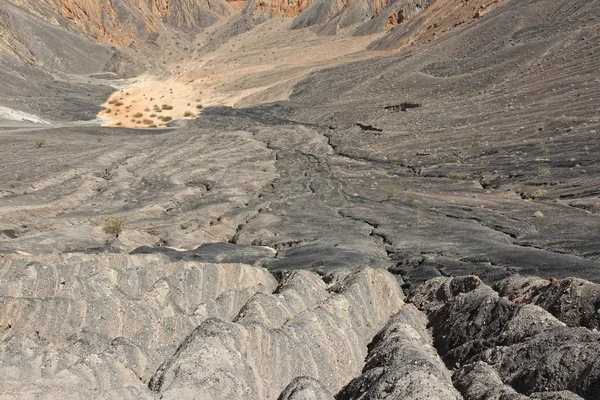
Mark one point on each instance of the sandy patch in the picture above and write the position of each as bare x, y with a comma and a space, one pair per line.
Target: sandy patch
259, 66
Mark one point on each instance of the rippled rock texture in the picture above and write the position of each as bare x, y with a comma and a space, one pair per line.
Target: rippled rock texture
143, 326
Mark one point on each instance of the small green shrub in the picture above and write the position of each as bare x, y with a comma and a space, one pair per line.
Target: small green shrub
456, 177
391, 193
113, 226
542, 171
39, 143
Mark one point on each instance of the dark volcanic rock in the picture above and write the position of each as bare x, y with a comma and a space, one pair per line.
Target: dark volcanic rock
402, 364
574, 301
526, 347
480, 381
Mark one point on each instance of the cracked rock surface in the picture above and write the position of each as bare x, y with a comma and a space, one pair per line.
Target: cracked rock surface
421, 224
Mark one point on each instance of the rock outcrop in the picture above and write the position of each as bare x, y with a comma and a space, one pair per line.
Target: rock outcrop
121, 22
33, 41
484, 336
402, 364
82, 325
258, 357
76, 326
146, 327
576, 302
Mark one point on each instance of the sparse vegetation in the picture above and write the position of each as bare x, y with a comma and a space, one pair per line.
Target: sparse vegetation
391, 193
188, 114
138, 115
108, 110
454, 177
40, 143
542, 171
538, 193
113, 226
118, 103
199, 106
411, 197
148, 122
167, 107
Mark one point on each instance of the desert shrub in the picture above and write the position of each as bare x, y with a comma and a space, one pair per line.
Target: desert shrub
538, 193
113, 226
167, 118
39, 143
138, 115
152, 115
199, 106
542, 171
108, 110
188, 114
391, 193
118, 103
456, 177
147, 122
167, 107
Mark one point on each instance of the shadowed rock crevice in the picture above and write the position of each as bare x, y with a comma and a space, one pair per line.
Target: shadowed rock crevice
520, 345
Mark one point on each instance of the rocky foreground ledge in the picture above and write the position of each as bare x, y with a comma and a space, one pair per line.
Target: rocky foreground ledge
144, 327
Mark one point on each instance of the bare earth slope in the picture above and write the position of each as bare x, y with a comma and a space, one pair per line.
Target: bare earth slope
361, 224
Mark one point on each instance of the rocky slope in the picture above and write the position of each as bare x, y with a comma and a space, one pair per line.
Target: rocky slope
121, 22
142, 327
412, 224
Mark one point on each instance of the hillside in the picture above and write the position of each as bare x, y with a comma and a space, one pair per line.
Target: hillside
319, 200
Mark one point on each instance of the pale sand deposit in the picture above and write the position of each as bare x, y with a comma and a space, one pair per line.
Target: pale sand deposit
252, 68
